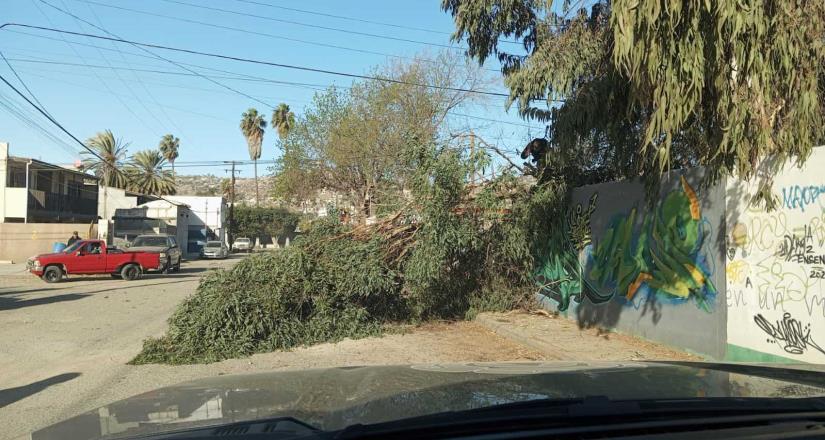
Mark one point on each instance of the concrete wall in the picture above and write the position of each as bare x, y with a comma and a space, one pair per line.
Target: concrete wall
776, 267
19, 241
114, 199
653, 271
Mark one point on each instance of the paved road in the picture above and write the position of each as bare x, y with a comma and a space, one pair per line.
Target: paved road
64, 347
79, 333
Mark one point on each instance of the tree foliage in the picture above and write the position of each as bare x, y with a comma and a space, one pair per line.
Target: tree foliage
146, 175
109, 165
350, 141
649, 85
252, 127
283, 120
257, 222
169, 146
454, 251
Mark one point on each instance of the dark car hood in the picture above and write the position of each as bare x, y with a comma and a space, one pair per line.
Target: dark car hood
147, 249
338, 397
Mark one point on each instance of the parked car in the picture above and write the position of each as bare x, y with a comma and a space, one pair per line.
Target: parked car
160, 243
243, 244
215, 249
94, 257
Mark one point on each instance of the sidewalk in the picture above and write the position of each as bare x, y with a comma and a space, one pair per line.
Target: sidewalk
559, 338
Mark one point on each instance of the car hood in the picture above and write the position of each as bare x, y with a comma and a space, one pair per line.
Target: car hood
334, 398
146, 249
49, 255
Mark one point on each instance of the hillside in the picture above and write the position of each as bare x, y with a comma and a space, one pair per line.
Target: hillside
210, 185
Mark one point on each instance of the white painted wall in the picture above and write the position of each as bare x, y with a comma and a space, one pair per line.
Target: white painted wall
204, 210
776, 265
15, 202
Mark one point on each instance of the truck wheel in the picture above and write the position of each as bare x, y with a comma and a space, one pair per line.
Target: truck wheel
52, 274
176, 267
130, 272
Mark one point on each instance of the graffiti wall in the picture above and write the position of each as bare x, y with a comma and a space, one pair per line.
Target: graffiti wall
654, 270
776, 268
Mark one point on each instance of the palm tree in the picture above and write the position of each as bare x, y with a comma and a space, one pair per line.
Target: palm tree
146, 173
169, 149
283, 120
252, 127
108, 166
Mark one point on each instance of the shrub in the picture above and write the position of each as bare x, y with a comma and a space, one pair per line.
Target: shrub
450, 256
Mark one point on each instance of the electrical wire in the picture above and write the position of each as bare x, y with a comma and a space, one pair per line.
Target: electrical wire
259, 62
52, 120
141, 47
279, 20
321, 87
104, 83
23, 83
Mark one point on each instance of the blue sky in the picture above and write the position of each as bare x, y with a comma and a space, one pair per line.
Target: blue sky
98, 88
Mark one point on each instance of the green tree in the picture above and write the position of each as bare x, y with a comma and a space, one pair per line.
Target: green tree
642, 86
252, 126
169, 146
146, 173
283, 120
352, 142
109, 166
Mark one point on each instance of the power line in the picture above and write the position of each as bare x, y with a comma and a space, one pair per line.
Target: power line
258, 33
23, 83
298, 23
260, 62
140, 81
140, 46
53, 121
321, 86
18, 112
105, 84
126, 85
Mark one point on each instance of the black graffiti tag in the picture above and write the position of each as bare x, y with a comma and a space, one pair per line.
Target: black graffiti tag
788, 332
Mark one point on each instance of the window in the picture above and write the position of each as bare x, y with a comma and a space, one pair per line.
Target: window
92, 248
16, 176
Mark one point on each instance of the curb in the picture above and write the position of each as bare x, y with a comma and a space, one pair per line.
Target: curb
502, 329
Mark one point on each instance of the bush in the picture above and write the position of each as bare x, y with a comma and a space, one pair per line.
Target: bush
450, 257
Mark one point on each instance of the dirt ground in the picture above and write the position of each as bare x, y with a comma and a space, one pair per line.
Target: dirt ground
65, 347
560, 338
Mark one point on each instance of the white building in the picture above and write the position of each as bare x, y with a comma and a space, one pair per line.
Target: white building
207, 218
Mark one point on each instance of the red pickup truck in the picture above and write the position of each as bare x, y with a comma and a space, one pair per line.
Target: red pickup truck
94, 257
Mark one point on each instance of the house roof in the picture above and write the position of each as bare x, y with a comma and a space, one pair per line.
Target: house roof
45, 165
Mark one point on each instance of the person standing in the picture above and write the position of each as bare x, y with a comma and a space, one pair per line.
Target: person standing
73, 239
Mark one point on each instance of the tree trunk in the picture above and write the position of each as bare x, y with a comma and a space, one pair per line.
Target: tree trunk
257, 195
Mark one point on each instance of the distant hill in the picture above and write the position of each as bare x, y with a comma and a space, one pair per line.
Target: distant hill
210, 185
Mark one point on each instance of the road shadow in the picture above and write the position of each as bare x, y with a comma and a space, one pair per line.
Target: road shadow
11, 395
11, 302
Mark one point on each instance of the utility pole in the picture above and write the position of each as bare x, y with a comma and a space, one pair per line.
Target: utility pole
231, 205
472, 157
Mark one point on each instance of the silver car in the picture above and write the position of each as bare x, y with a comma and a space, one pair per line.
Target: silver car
215, 249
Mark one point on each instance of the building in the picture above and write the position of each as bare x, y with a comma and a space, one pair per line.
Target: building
155, 217
207, 219
41, 204
32, 191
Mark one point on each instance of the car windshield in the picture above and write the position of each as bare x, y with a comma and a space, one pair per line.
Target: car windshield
379, 210
73, 248
150, 241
